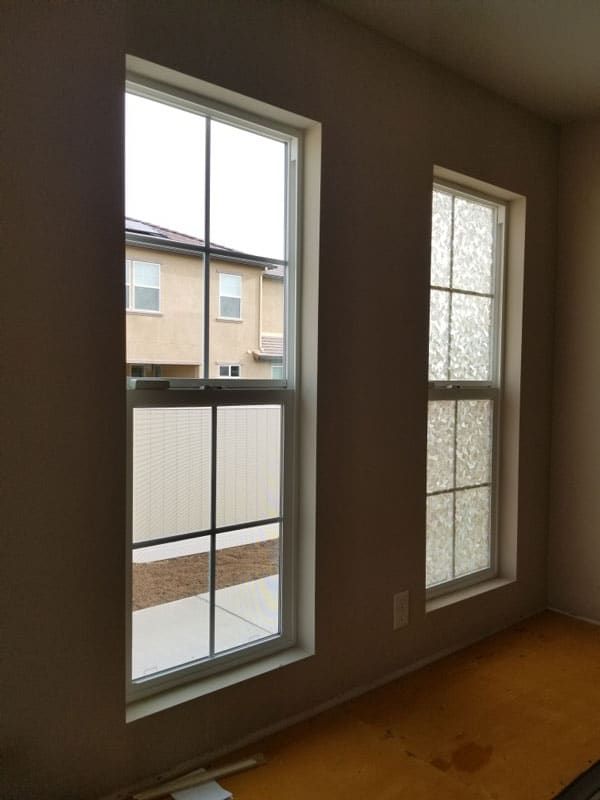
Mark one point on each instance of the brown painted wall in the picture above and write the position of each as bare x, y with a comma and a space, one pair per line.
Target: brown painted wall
574, 554
387, 118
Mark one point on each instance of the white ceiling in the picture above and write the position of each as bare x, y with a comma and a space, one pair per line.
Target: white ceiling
542, 54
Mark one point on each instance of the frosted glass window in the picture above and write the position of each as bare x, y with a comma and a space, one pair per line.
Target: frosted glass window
171, 471
472, 534
438, 335
247, 191
470, 338
473, 442
473, 246
247, 586
464, 383
441, 234
248, 463
440, 539
440, 445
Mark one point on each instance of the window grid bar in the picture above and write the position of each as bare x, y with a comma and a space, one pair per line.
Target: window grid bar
455, 489
213, 536
181, 537
469, 292
449, 348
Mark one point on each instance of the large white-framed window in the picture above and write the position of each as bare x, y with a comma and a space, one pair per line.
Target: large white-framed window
142, 285
230, 296
465, 386
217, 475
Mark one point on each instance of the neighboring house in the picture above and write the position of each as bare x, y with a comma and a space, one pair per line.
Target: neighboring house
164, 298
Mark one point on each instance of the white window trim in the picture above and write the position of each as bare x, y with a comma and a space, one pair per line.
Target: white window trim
507, 447
129, 282
300, 488
230, 296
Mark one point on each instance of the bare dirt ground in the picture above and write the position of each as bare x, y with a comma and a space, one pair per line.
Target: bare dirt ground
162, 581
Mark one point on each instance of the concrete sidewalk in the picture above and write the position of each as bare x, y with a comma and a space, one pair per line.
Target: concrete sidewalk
175, 633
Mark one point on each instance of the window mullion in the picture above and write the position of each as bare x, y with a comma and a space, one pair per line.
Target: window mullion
207, 259
213, 524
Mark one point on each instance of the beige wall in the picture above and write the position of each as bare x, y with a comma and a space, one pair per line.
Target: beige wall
387, 118
574, 553
173, 337
273, 308
232, 341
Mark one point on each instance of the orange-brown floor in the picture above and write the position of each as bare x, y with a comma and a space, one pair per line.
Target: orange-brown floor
515, 717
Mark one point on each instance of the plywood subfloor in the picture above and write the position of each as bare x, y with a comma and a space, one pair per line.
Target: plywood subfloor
515, 717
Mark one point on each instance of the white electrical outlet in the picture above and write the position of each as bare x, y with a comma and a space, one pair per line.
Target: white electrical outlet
401, 609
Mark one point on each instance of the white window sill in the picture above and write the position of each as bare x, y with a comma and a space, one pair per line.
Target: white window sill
229, 319
145, 312
212, 683
458, 595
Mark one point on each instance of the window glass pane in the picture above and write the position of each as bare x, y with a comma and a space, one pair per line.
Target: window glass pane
231, 285
170, 605
473, 442
472, 547
146, 273
470, 347
146, 299
473, 246
235, 372
440, 445
164, 167
230, 307
173, 340
248, 463
439, 538
171, 471
247, 191
438, 336
247, 586
126, 296
441, 233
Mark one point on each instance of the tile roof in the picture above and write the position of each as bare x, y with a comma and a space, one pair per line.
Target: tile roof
166, 235
138, 226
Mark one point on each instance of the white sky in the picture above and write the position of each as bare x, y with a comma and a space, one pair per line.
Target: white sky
164, 178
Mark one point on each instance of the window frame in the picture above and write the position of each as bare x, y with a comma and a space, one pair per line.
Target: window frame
176, 392
491, 389
131, 286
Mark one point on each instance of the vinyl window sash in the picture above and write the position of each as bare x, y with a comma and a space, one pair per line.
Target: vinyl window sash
217, 662
490, 389
293, 140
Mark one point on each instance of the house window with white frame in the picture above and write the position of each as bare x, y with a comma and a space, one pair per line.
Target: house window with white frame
229, 370
230, 296
465, 345
142, 285
211, 472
